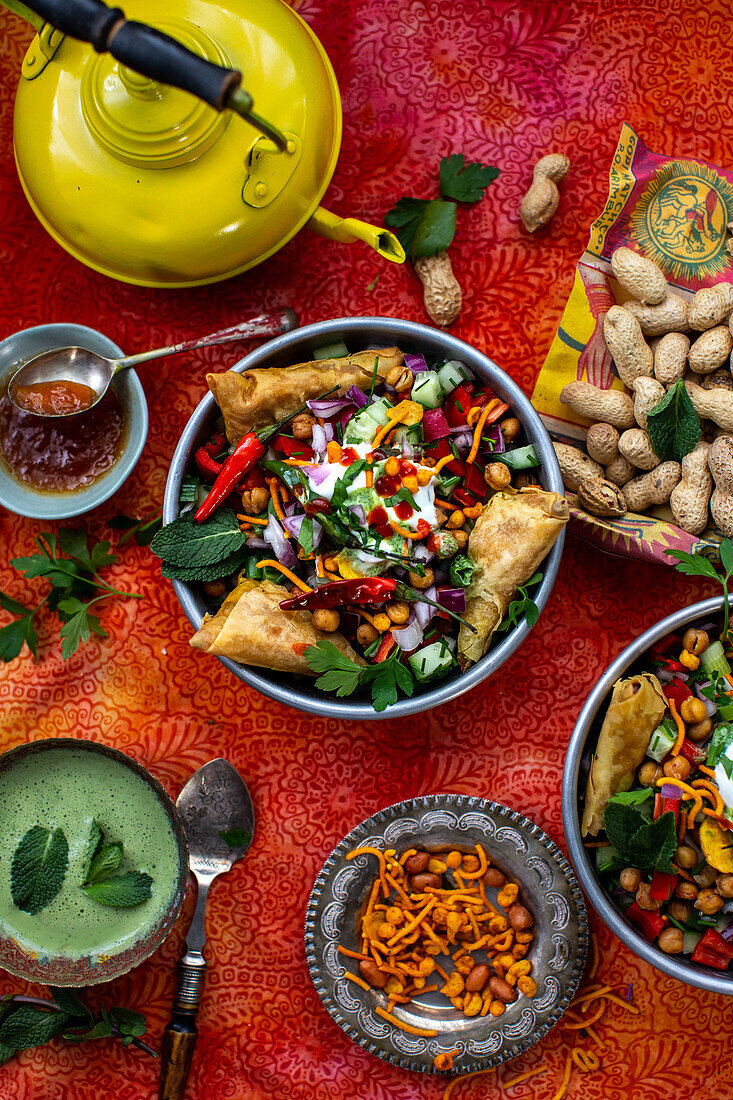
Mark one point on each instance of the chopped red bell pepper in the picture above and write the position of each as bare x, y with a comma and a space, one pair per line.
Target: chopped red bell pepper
440, 448
662, 885
386, 646
255, 479
207, 463
678, 690
295, 448
671, 806
482, 397
647, 921
474, 481
664, 645
670, 664
713, 950
692, 752
464, 498
457, 405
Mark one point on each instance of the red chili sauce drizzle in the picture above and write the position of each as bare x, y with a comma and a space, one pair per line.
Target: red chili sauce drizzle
64, 454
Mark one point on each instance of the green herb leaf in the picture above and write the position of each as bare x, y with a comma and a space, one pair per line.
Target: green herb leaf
404, 218
70, 1004
28, 1027
38, 868
94, 841
131, 1024
14, 635
105, 863
522, 605
719, 743
632, 798
727, 765
464, 182
693, 565
231, 564
424, 227
235, 838
187, 544
340, 489
462, 570
654, 844
673, 425
78, 626
621, 821
9, 604
102, 1029
336, 672
726, 556
122, 892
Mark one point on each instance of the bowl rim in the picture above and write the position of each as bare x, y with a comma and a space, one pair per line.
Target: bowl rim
170, 914
668, 964
396, 329
85, 500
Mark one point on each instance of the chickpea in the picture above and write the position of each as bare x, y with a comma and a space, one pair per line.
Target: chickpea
677, 768
326, 619
398, 611
497, 1008
724, 884
706, 877
700, 730
392, 466
302, 426
214, 589
474, 511
708, 902
424, 477
644, 898
421, 583
510, 429
470, 863
689, 660
670, 941
686, 857
648, 773
687, 891
461, 538
255, 500
695, 641
693, 710
394, 915
497, 475
401, 378
455, 519
366, 634
629, 879
680, 910
464, 964
527, 985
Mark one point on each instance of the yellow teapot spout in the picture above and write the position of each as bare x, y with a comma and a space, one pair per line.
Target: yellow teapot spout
348, 230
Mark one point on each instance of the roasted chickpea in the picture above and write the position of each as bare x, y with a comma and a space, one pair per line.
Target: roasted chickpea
326, 619
629, 879
680, 910
693, 710
677, 768
214, 589
686, 857
510, 428
648, 773
461, 538
706, 877
255, 500
695, 641
689, 660
455, 519
382, 622
421, 582
497, 475
700, 730
708, 902
670, 941
302, 426
470, 863
398, 611
401, 378
687, 891
644, 898
366, 634
725, 885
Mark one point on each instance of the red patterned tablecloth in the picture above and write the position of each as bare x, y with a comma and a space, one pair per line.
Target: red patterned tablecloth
503, 82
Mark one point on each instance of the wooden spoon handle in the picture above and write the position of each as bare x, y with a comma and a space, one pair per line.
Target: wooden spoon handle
179, 1037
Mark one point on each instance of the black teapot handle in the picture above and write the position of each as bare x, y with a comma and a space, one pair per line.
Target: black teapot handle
140, 47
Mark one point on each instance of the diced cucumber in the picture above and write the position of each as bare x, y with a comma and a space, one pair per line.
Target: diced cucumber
726, 712
426, 389
521, 458
361, 428
690, 940
445, 483
608, 859
431, 661
331, 351
714, 660
662, 740
451, 374
379, 410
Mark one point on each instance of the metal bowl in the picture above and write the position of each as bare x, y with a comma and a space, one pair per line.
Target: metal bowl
24, 500
93, 969
549, 888
583, 742
360, 332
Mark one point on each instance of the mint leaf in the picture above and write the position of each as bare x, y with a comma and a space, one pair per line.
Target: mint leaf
621, 822
235, 838
28, 1027
131, 1024
185, 543
654, 844
70, 1004
105, 863
232, 563
673, 425
102, 1029
122, 892
38, 869
464, 182
6, 1053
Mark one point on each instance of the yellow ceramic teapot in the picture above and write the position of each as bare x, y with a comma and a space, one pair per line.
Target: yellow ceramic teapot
160, 186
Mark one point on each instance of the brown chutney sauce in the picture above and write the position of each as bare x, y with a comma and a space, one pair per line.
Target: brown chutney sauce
62, 454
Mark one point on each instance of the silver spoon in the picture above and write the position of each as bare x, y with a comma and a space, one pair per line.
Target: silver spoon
85, 367
214, 801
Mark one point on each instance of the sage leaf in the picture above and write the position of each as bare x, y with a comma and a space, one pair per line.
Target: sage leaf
38, 868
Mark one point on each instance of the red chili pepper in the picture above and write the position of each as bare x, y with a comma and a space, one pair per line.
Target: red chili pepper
648, 922
249, 451
677, 690
670, 664
662, 885
692, 752
207, 466
360, 590
713, 950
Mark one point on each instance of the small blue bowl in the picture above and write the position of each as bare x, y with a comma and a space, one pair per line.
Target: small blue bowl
26, 501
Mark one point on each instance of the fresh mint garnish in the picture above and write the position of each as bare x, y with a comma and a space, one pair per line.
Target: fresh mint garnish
189, 545
235, 838
31, 1021
27, 1027
38, 868
123, 891
644, 844
105, 863
673, 425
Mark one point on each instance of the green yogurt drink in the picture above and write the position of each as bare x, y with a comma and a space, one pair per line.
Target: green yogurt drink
70, 788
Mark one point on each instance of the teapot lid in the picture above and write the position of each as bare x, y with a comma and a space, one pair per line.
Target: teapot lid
148, 184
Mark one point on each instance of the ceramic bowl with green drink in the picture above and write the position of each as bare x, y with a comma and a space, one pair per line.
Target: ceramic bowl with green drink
93, 862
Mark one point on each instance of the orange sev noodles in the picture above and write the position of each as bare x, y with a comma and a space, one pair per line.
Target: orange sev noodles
273, 564
675, 751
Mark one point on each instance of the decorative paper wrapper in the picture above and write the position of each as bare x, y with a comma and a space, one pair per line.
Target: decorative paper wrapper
678, 213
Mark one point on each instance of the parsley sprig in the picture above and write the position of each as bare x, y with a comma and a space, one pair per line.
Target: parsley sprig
71, 567
697, 565
343, 676
522, 605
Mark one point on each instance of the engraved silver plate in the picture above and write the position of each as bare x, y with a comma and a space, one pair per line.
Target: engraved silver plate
550, 889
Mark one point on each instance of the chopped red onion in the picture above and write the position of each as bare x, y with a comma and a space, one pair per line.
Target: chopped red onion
668, 791
408, 451
318, 442
358, 510
421, 552
257, 544
666, 675
316, 474
710, 707
630, 991
458, 429
727, 933
424, 612
496, 437
409, 637
728, 906
416, 363
357, 397
453, 599
280, 545
349, 621
329, 431
463, 441
434, 425
328, 406
293, 524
